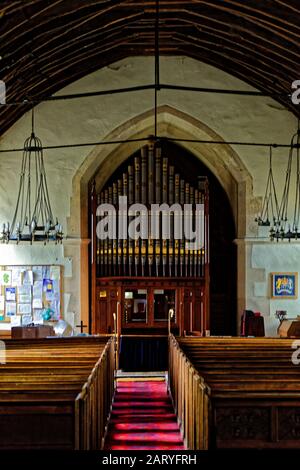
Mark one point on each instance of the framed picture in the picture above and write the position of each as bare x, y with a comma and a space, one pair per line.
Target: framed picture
284, 285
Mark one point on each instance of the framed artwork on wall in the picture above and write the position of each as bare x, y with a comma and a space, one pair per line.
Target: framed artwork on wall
284, 285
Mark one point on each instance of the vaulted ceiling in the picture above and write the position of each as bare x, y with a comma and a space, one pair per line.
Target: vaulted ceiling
47, 44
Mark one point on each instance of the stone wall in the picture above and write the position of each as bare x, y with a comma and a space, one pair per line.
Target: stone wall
241, 170
263, 259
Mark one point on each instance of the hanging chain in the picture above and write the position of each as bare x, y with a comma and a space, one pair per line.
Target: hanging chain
277, 216
33, 218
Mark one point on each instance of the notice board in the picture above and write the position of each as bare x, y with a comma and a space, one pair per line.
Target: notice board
30, 294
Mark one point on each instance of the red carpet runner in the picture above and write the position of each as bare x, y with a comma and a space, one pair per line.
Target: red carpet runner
143, 418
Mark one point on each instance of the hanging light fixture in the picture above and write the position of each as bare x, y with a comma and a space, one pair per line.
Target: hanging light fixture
270, 209
33, 219
284, 225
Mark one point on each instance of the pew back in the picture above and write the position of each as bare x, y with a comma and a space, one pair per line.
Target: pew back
254, 390
56, 393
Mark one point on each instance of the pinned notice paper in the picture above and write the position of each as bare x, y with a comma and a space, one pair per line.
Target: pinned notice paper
11, 309
24, 299
37, 273
24, 309
26, 319
5, 278
1, 303
10, 294
48, 285
37, 303
24, 294
38, 317
55, 273
17, 277
46, 272
38, 289
16, 320
28, 278
26, 290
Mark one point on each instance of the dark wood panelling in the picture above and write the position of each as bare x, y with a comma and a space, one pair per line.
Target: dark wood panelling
47, 45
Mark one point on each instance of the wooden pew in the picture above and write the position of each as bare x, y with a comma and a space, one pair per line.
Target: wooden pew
5, 334
191, 398
56, 393
253, 389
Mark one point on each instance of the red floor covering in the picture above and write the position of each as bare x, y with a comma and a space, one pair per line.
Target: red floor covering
143, 418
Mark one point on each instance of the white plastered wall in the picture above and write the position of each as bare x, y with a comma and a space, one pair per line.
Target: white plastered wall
233, 118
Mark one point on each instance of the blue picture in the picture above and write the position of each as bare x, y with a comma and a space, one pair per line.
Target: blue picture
284, 285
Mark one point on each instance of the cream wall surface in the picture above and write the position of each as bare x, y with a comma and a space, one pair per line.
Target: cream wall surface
233, 118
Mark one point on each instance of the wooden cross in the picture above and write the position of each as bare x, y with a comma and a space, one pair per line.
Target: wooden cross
81, 326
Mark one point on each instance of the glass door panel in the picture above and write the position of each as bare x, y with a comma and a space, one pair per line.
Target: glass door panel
164, 300
135, 306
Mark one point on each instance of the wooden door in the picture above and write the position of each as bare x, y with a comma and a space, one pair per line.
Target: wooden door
198, 310
107, 305
112, 309
100, 320
186, 310
192, 310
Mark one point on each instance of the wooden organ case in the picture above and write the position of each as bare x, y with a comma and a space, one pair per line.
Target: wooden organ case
136, 282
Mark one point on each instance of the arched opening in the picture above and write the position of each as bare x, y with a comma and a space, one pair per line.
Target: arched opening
223, 295
226, 169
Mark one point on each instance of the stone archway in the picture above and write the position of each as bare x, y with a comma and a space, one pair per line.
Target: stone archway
103, 160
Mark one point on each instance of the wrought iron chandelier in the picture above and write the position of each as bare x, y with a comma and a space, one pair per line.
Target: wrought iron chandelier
33, 219
283, 218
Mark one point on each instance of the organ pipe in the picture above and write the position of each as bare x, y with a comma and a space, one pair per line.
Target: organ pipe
149, 179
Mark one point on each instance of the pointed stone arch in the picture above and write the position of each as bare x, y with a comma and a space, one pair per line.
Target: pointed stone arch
103, 160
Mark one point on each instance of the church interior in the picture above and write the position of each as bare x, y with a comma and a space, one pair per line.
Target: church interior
149, 225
